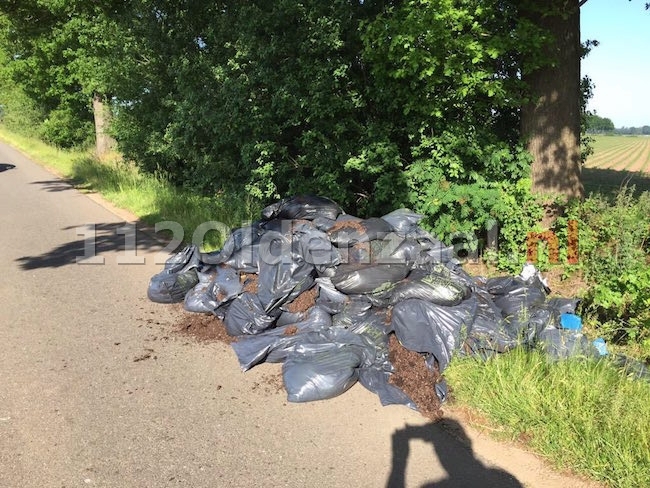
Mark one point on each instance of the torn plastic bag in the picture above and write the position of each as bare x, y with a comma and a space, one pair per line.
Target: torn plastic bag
563, 344
283, 274
274, 345
347, 233
237, 240
323, 368
428, 328
404, 221
431, 287
246, 315
358, 279
215, 288
177, 278
306, 207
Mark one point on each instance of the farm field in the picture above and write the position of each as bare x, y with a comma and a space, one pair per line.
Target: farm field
617, 161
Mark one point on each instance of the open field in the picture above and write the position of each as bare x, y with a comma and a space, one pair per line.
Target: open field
616, 161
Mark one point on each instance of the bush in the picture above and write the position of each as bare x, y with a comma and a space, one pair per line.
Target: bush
64, 128
615, 259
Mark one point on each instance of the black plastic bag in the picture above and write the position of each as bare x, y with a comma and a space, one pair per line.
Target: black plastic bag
431, 287
246, 259
330, 298
564, 344
488, 334
306, 207
314, 247
215, 288
347, 233
177, 278
246, 315
428, 328
356, 279
324, 367
275, 345
283, 274
404, 221
237, 240
376, 380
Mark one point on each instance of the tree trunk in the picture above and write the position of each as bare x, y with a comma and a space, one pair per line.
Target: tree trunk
550, 122
103, 142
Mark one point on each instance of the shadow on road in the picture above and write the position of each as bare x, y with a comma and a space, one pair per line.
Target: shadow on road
454, 450
54, 185
6, 166
91, 243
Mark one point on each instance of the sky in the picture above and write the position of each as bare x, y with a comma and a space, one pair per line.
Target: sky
620, 66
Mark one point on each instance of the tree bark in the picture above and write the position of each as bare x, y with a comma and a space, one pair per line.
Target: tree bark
103, 142
550, 122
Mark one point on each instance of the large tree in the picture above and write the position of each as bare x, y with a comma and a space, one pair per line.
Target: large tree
550, 120
65, 54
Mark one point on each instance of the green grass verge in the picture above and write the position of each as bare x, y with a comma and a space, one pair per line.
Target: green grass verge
583, 415
150, 198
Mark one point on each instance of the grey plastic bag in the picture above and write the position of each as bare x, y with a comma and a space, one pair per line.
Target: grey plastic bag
306, 207
177, 278
320, 372
358, 279
428, 328
246, 315
275, 345
215, 288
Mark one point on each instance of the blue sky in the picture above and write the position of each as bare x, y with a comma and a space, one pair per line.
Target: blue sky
620, 65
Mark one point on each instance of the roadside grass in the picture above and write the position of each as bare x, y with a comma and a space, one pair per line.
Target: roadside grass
151, 198
581, 415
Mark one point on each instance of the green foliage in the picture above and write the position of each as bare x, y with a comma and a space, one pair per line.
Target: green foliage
288, 98
61, 54
597, 124
615, 256
63, 128
376, 105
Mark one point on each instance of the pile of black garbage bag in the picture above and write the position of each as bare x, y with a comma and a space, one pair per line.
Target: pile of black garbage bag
373, 277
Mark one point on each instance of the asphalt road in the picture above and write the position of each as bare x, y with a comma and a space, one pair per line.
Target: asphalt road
97, 388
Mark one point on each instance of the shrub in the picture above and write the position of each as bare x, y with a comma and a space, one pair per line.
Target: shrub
615, 257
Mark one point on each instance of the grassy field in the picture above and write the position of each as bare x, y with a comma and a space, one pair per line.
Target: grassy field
618, 161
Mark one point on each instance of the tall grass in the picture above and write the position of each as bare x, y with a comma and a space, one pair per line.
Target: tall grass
151, 198
580, 414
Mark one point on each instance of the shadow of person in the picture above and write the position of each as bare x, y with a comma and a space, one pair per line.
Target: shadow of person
454, 451
6, 166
